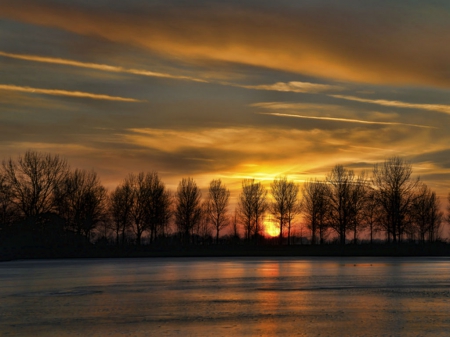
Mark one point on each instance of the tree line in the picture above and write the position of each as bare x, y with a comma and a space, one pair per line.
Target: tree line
40, 194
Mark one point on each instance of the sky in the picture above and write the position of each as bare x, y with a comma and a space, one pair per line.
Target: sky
228, 89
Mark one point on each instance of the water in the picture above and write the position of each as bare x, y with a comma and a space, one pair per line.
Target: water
226, 297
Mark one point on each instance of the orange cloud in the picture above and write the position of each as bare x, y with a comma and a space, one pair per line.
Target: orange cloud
264, 154
389, 45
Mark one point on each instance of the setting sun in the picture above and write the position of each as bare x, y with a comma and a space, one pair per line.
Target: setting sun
271, 228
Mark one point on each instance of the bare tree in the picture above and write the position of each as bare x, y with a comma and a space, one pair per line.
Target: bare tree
260, 207
203, 228
278, 206
163, 215
293, 206
80, 199
359, 193
371, 214
121, 205
7, 211
394, 188
158, 206
141, 197
188, 211
447, 215
285, 204
216, 205
436, 218
252, 207
33, 179
235, 225
425, 214
315, 207
341, 182
420, 211
150, 206
245, 209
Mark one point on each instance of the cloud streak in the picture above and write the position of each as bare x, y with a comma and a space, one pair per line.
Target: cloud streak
398, 104
57, 92
294, 86
371, 44
345, 120
96, 66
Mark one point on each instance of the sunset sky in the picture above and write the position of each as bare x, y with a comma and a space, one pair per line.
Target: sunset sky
227, 89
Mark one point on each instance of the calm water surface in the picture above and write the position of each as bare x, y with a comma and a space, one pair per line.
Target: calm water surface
226, 297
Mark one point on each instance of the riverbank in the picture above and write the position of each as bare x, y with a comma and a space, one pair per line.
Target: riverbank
92, 251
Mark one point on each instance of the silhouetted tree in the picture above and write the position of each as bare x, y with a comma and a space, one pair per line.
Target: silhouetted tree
80, 199
316, 208
436, 218
341, 182
158, 206
32, 179
285, 204
188, 211
252, 207
447, 216
359, 193
216, 205
7, 211
234, 224
160, 224
420, 211
151, 204
121, 204
203, 228
140, 190
394, 188
293, 207
371, 214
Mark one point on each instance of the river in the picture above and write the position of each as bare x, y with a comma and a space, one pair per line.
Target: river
226, 297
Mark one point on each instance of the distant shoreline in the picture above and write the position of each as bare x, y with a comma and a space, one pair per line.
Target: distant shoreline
362, 250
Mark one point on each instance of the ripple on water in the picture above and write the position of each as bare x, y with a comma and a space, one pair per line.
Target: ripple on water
56, 293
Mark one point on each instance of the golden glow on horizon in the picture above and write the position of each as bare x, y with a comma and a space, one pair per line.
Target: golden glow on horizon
234, 154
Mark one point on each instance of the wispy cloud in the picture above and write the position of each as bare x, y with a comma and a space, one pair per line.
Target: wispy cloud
294, 86
297, 106
398, 104
96, 66
57, 92
346, 120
